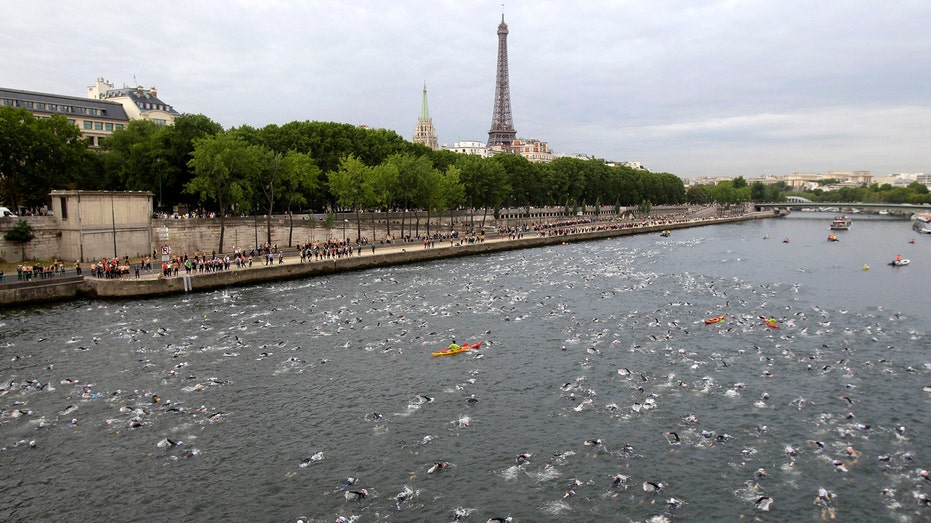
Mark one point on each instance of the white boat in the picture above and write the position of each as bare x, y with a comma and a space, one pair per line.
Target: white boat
900, 262
921, 227
926, 218
841, 223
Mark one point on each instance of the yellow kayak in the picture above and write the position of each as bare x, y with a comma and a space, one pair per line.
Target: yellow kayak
462, 348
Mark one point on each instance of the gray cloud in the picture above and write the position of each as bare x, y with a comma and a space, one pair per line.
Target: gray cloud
690, 87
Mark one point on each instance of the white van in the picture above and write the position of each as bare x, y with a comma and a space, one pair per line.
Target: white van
4, 212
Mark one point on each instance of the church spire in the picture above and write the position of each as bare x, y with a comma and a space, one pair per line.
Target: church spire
424, 109
425, 133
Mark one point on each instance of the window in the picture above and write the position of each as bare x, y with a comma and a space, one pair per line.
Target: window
64, 207
91, 141
119, 127
88, 124
108, 126
98, 126
158, 121
40, 106
71, 121
52, 107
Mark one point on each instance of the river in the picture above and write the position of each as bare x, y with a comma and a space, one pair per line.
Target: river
257, 403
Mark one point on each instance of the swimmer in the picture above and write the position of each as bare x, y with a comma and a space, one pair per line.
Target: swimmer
168, 443
619, 480
593, 442
671, 437
571, 489
762, 503
403, 496
523, 458
312, 459
499, 520
349, 482
438, 466
356, 495
651, 487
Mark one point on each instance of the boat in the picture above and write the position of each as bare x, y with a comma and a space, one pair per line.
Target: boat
771, 323
841, 223
921, 227
899, 262
832, 237
926, 218
666, 233
462, 348
717, 319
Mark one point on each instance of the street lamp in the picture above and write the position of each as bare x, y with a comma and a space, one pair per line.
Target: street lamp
158, 167
345, 221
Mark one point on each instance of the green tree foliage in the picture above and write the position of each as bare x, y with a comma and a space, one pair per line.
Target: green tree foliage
299, 177
146, 157
485, 184
38, 155
352, 187
699, 194
21, 233
223, 165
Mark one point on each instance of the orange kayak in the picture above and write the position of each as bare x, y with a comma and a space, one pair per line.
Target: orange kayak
718, 319
462, 348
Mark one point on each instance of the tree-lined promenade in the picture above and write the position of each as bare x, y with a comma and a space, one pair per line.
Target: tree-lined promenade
196, 165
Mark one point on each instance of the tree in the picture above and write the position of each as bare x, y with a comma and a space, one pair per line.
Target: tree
222, 165
757, 191
485, 184
21, 233
351, 185
700, 194
300, 177
38, 155
385, 190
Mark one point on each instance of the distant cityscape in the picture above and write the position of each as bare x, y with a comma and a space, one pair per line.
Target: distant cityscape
831, 180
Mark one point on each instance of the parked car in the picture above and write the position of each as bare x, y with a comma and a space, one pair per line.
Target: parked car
4, 213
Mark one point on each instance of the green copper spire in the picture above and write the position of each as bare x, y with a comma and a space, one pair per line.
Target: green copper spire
424, 110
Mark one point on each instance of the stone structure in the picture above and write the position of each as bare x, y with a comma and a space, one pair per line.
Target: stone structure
99, 224
425, 133
502, 131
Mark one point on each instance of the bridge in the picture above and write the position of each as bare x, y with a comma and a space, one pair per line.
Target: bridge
896, 208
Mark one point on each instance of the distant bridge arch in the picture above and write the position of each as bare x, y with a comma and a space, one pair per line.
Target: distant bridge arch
797, 199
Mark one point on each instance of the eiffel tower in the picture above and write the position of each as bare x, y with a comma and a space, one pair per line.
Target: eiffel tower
502, 131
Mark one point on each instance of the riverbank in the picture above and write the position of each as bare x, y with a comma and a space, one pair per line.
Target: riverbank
153, 284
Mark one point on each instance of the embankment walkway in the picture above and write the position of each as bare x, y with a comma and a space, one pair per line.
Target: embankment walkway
153, 283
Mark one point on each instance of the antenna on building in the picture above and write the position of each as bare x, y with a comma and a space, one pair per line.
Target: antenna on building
135, 83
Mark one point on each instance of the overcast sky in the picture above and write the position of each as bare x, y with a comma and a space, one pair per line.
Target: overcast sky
695, 88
